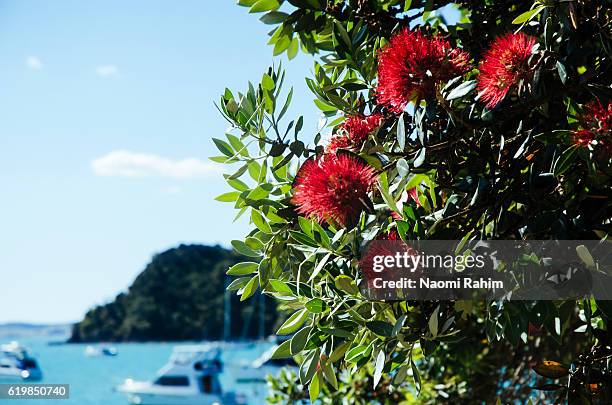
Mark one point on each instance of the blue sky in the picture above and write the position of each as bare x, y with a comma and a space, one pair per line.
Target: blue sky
102, 102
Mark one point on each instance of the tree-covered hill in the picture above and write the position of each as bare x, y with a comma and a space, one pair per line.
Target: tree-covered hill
178, 296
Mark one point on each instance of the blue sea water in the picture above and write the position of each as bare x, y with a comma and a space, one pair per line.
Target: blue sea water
92, 379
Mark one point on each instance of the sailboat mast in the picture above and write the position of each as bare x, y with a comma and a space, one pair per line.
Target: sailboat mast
227, 312
262, 314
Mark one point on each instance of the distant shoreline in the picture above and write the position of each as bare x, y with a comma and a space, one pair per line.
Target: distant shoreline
17, 330
60, 333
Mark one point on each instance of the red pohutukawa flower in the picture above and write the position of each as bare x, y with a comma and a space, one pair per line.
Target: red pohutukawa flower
333, 188
391, 235
411, 65
385, 244
504, 65
596, 124
353, 132
598, 118
583, 137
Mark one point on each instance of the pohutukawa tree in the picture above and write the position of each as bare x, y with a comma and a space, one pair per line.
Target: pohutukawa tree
445, 120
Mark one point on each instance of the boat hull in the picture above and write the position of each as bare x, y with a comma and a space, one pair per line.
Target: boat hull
143, 393
156, 399
15, 374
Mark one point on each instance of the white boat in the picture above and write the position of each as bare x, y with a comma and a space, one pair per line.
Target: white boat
16, 363
191, 377
92, 351
258, 370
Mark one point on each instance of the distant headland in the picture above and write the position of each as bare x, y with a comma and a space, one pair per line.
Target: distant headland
180, 295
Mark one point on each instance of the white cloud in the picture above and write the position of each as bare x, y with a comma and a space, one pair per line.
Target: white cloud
107, 70
123, 163
32, 62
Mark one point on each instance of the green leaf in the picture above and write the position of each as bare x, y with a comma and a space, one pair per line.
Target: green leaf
527, 15
398, 325
254, 170
243, 249
237, 144
264, 272
323, 236
280, 287
328, 373
238, 284
341, 333
237, 184
298, 341
293, 48
306, 226
320, 266
562, 72
381, 328
258, 193
548, 33
282, 43
315, 305
242, 269
400, 375
404, 229
298, 125
309, 366
250, 288
383, 186
415, 375
267, 82
223, 147
264, 5
565, 161
282, 351
260, 222
551, 369
343, 34
585, 256
356, 353
378, 368
433, 322
347, 284
246, 3
462, 90
339, 351
303, 239
419, 158
228, 197
293, 322
402, 167
314, 388
274, 17
222, 159
401, 132
239, 172
325, 107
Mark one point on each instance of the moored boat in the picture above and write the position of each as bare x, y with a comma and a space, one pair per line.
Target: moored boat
17, 363
191, 377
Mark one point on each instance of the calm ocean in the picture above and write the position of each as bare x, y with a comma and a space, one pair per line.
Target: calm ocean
92, 379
